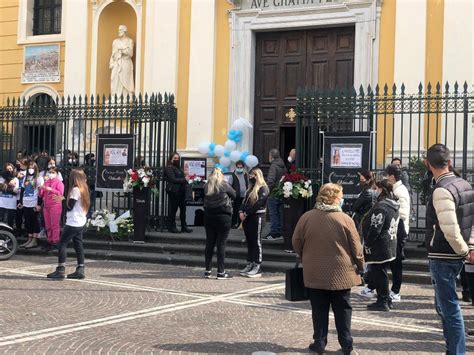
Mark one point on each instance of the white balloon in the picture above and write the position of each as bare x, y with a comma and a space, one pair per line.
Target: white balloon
203, 148
225, 162
241, 123
235, 155
219, 150
251, 161
230, 145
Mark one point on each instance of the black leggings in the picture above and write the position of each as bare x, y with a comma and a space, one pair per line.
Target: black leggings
379, 278
75, 234
253, 226
177, 200
10, 215
31, 220
217, 231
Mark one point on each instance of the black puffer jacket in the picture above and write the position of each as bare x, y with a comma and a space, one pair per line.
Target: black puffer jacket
379, 228
220, 202
275, 172
248, 207
175, 179
363, 204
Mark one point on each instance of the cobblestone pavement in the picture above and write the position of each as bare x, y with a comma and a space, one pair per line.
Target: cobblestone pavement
145, 308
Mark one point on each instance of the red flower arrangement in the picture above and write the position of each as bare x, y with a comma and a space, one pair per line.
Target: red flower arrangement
295, 185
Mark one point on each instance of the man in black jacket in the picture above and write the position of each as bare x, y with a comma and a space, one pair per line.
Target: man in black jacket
449, 220
240, 183
276, 171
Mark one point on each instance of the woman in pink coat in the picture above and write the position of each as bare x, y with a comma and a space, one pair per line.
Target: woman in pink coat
52, 207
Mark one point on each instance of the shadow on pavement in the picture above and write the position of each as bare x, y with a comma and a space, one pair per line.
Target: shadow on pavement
224, 347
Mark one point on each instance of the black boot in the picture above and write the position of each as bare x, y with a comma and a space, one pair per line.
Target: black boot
78, 274
58, 275
466, 296
381, 305
185, 229
174, 230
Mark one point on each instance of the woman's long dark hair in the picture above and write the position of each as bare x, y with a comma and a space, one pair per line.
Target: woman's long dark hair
369, 179
387, 190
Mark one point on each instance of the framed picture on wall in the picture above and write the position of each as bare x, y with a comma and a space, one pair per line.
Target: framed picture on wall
41, 64
194, 167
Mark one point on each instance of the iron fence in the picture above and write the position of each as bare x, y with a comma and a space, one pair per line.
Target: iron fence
69, 125
402, 125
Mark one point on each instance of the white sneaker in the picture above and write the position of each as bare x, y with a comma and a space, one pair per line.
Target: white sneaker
367, 292
395, 297
246, 269
42, 234
255, 272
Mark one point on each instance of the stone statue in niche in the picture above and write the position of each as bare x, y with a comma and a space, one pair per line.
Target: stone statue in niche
121, 65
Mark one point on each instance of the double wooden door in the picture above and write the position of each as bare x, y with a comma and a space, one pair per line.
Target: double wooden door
285, 61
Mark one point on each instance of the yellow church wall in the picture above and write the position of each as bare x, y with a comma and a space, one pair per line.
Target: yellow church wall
115, 14
11, 55
221, 77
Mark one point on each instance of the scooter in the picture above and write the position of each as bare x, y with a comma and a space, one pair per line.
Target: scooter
8, 242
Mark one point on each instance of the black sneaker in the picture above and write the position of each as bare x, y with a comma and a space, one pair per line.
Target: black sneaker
223, 276
174, 230
379, 306
185, 229
207, 274
58, 275
466, 296
78, 274
316, 349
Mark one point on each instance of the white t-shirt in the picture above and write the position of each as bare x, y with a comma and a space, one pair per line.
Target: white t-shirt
77, 217
30, 193
6, 200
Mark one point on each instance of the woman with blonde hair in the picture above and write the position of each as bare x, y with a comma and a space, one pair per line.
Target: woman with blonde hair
330, 249
252, 214
78, 201
218, 196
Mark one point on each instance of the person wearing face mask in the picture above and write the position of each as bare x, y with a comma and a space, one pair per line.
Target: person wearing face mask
9, 187
30, 202
51, 165
176, 189
20, 174
330, 249
240, 183
366, 198
52, 206
379, 228
291, 161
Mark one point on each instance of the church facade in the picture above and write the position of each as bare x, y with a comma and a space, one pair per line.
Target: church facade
226, 59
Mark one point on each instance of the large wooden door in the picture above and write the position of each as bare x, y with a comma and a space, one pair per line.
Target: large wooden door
285, 61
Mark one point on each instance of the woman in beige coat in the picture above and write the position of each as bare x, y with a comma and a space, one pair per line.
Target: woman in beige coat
331, 251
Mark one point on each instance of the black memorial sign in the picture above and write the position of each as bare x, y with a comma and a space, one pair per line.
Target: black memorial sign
114, 158
345, 156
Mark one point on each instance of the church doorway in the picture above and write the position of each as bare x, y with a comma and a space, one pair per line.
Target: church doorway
286, 61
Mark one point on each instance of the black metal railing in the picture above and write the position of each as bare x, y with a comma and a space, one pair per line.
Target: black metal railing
70, 125
403, 125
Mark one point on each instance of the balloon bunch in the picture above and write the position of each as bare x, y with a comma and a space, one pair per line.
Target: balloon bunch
228, 153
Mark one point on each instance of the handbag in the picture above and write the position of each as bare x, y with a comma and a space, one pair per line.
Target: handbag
295, 289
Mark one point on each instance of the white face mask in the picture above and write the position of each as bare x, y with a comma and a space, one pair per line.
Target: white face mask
290, 159
31, 171
52, 175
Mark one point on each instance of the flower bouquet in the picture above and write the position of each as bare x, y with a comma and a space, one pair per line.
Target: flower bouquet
100, 222
294, 185
140, 178
195, 180
125, 227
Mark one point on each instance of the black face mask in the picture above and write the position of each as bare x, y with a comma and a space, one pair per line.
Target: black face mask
176, 163
252, 180
7, 175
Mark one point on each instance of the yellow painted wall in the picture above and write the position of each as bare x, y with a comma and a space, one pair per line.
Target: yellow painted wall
386, 74
11, 54
115, 14
434, 64
182, 93
222, 67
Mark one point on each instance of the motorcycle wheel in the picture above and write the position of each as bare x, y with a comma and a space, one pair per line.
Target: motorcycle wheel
8, 245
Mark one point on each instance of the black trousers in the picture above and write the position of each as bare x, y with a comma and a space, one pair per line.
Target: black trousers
253, 226
32, 223
217, 230
379, 279
340, 302
396, 266
75, 234
177, 200
19, 219
467, 282
235, 208
10, 216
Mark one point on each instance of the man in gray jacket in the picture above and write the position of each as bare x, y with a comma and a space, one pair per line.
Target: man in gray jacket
449, 220
275, 172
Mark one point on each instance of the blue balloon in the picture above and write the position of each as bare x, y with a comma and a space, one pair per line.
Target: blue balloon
244, 155
211, 154
237, 139
212, 146
227, 153
218, 166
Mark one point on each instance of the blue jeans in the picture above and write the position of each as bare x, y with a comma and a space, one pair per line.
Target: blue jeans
274, 208
443, 276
